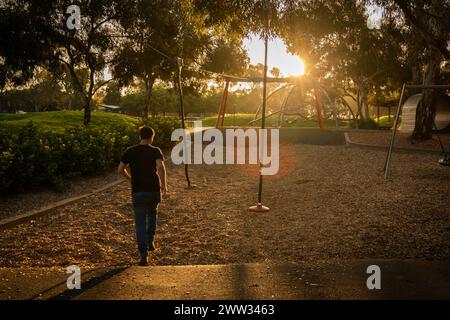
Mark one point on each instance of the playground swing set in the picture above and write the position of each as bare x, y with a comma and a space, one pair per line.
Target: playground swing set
259, 207
289, 85
445, 161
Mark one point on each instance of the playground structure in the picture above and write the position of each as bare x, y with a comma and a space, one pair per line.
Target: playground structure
414, 101
387, 106
442, 119
291, 86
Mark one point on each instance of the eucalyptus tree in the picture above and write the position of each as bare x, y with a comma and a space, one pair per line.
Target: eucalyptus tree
159, 32
62, 38
337, 45
428, 22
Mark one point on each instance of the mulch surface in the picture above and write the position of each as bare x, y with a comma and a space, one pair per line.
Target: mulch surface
20, 203
383, 138
327, 203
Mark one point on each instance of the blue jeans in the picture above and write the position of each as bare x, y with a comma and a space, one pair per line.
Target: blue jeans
145, 205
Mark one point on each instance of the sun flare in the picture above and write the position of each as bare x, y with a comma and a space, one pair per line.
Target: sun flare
278, 56
289, 65
295, 68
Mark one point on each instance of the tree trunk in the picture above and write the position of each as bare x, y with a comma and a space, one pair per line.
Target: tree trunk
426, 110
87, 112
342, 100
417, 76
424, 29
148, 95
363, 103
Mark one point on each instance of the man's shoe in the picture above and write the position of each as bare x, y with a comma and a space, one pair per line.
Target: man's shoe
151, 245
143, 262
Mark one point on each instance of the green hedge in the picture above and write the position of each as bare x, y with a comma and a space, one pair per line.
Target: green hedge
32, 157
367, 124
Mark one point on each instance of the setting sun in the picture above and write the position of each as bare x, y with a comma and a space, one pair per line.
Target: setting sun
279, 57
296, 66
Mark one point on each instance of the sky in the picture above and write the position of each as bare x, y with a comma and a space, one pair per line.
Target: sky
278, 56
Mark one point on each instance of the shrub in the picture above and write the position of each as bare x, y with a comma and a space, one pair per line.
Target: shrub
367, 124
32, 157
163, 130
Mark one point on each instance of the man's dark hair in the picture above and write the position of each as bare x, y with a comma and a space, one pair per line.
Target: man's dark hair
146, 132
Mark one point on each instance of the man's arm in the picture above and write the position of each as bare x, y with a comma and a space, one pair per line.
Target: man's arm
122, 171
161, 169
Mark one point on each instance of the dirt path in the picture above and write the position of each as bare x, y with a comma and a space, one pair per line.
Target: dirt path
327, 203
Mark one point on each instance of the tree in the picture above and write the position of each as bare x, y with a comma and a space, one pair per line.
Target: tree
43, 92
154, 25
162, 30
90, 47
112, 94
39, 28
275, 72
429, 20
133, 103
46, 93
336, 43
433, 25
22, 46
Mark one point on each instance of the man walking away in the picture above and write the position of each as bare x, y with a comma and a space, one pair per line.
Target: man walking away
148, 182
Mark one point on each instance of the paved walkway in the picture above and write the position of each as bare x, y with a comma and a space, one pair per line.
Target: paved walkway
400, 279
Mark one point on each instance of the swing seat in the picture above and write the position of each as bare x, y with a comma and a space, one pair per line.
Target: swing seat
444, 162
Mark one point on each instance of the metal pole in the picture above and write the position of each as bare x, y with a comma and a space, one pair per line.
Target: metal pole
259, 207
183, 125
268, 97
318, 108
436, 87
394, 134
444, 152
389, 111
333, 104
223, 106
225, 100
263, 120
378, 116
283, 107
336, 119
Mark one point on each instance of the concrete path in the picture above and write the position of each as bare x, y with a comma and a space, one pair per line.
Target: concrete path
400, 279
46, 283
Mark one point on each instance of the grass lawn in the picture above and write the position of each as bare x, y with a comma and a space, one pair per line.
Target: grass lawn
242, 120
61, 120
384, 121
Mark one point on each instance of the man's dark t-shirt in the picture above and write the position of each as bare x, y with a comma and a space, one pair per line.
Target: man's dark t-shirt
142, 161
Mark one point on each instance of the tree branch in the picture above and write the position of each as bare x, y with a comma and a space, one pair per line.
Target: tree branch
73, 74
100, 85
423, 29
